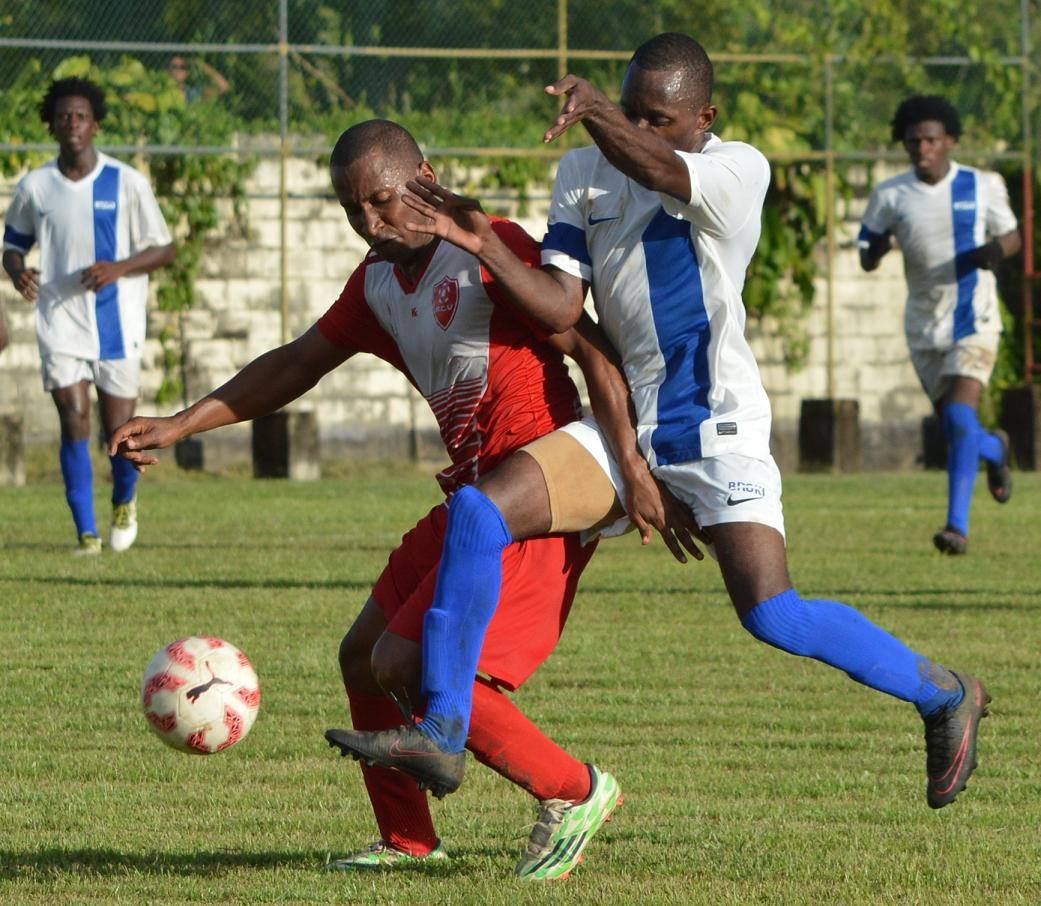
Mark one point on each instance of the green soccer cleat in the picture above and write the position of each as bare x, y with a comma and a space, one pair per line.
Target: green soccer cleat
124, 525
89, 545
564, 828
950, 743
381, 856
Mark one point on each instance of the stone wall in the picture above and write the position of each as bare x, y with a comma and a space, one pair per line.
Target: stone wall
367, 409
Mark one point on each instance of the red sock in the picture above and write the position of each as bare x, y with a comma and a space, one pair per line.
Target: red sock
401, 809
510, 744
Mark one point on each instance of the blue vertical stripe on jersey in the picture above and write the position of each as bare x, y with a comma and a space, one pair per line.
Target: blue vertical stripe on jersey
563, 237
106, 215
23, 241
682, 327
964, 209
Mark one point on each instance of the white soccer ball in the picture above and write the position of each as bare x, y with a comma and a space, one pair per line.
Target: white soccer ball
200, 695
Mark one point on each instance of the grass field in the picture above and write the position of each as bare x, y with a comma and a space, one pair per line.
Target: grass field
750, 776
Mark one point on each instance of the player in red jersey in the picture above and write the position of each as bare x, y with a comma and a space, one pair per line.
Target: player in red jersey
496, 381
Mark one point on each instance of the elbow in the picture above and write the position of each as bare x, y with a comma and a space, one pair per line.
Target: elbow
169, 254
1015, 243
564, 318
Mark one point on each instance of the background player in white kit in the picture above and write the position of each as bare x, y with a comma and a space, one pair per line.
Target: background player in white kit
100, 233
661, 219
954, 226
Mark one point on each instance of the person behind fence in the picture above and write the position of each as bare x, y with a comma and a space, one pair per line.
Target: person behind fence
661, 218
100, 233
954, 226
496, 381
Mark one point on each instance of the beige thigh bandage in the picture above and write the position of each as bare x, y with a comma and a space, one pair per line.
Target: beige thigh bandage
581, 495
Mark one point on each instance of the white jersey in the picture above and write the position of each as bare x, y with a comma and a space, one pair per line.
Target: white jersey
108, 215
666, 278
937, 226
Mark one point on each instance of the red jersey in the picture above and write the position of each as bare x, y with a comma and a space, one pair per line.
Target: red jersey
491, 379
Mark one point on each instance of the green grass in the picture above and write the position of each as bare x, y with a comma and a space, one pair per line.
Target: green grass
750, 776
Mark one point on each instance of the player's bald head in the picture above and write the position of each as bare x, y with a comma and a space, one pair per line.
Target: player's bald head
394, 143
681, 54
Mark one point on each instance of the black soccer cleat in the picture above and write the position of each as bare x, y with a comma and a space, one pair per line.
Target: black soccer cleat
405, 749
950, 743
999, 478
950, 541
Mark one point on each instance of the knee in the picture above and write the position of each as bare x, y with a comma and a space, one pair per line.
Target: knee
779, 621
354, 656
395, 664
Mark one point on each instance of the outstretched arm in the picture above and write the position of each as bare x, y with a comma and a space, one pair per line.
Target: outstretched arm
266, 384
545, 298
638, 153
648, 504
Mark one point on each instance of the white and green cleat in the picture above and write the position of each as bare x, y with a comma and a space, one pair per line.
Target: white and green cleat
564, 828
89, 545
380, 856
124, 525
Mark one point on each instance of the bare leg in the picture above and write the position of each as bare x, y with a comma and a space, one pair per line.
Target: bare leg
518, 488
73, 404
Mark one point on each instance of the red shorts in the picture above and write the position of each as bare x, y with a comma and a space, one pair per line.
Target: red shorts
539, 581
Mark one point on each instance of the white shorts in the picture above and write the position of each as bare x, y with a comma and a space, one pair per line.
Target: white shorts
728, 488
116, 377
971, 357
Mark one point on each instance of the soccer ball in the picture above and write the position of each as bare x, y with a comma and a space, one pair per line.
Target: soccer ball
200, 695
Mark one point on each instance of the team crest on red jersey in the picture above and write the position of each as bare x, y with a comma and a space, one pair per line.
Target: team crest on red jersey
446, 301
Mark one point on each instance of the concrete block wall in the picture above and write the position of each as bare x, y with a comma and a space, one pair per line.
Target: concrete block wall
365, 408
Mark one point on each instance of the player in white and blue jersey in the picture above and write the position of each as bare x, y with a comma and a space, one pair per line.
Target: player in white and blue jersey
100, 233
954, 226
660, 220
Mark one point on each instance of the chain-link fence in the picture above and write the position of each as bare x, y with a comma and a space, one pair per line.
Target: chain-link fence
813, 85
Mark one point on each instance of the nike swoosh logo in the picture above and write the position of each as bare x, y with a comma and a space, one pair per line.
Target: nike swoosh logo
593, 221
396, 750
732, 502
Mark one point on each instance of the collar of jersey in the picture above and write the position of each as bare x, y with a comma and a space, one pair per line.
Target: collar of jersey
88, 179
409, 286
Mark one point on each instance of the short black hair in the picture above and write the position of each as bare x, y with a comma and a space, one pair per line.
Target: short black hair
74, 88
673, 50
922, 108
393, 140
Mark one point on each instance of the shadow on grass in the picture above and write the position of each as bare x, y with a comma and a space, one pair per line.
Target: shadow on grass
101, 581
53, 863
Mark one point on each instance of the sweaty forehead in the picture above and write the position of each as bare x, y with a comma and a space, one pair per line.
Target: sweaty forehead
371, 172
658, 88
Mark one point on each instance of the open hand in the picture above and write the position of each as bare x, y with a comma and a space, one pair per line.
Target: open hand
582, 99
455, 218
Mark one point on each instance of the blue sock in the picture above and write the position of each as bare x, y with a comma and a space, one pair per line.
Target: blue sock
962, 430
844, 638
124, 480
79, 483
991, 449
468, 584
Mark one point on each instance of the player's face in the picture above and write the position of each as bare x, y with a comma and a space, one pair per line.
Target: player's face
929, 147
667, 105
369, 191
74, 125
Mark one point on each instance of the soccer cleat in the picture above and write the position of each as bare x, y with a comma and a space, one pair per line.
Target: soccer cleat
950, 743
950, 542
124, 525
999, 478
405, 749
381, 856
564, 828
89, 545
